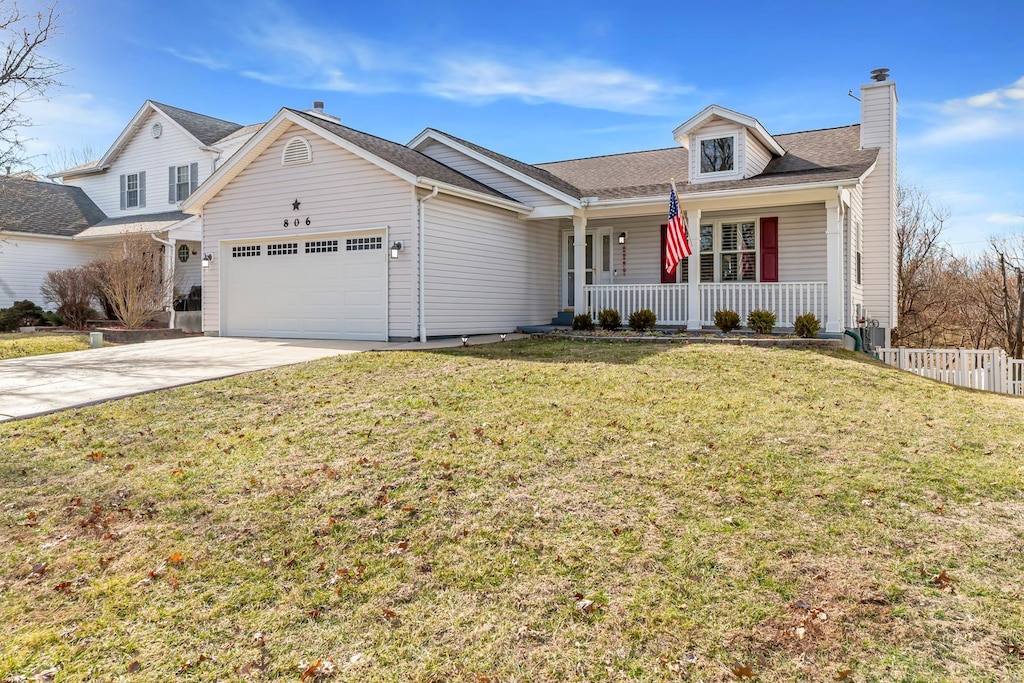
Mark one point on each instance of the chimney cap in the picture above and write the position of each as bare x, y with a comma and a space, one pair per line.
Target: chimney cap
879, 75
318, 105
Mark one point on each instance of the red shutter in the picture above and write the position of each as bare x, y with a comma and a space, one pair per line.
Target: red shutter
769, 250
665, 276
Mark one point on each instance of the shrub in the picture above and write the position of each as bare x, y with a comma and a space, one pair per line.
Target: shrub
20, 314
642, 320
71, 291
583, 322
609, 319
727, 320
807, 325
132, 281
761, 321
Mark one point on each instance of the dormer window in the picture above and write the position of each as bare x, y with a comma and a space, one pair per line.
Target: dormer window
718, 155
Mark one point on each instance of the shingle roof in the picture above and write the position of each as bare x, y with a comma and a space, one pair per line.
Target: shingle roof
535, 172
206, 129
244, 130
139, 223
811, 157
45, 208
403, 157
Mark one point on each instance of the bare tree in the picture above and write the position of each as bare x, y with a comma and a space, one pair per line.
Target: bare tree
132, 281
1007, 306
63, 158
921, 263
26, 74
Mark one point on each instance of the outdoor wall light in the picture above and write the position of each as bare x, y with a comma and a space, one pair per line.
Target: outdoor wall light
395, 248
207, 258
622, 238
465, 340
503, 335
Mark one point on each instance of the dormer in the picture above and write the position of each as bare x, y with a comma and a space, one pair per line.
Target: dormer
726, 145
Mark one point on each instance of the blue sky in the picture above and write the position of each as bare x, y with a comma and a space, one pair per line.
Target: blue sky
542, 81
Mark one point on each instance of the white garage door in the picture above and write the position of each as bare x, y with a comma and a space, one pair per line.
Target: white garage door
310, 287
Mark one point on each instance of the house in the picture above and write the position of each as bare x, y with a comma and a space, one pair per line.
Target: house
138, 186
314, 229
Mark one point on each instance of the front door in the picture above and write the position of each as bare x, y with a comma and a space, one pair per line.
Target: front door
598, 263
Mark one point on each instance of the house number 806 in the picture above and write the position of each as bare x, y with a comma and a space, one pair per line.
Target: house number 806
295, 222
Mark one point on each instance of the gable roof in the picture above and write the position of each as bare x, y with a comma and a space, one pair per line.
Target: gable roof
405, 158
205, 129
714, 110
535, 173
48, 209
815, 156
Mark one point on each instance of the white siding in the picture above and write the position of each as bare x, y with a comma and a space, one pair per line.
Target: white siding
716, 127
757, 156
878, 130
338, 191
155, 156
189, 273
855, 243
25, 261
802, 249
230, 147
487, 271
483, 173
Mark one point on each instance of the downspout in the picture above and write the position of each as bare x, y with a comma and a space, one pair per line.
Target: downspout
422, 265
168, 260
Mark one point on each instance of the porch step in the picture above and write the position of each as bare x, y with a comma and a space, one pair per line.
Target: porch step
563, 318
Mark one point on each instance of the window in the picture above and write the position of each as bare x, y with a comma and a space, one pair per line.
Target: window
859, 272
728, 251
283, 249
182, 183
718, 155
362, 243
321, 246
183, 253
246, 251
131, 192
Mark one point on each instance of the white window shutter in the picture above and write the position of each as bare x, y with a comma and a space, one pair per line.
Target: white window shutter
124, 188
171, 195
142, 189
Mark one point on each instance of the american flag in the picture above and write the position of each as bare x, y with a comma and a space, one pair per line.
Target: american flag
677, 246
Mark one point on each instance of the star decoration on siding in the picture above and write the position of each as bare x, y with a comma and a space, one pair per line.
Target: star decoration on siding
295, 205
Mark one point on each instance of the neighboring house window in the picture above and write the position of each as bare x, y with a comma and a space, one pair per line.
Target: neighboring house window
718, 155
728, 251
182, 181
133, 190
859, 272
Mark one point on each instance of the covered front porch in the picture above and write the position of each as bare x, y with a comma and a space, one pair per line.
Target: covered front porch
791, 253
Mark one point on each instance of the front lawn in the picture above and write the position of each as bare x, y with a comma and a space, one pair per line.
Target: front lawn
18, 345
528, 511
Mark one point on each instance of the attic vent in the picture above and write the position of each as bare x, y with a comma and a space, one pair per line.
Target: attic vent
297, 151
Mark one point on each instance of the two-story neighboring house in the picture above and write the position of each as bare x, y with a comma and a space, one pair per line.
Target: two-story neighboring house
157, 161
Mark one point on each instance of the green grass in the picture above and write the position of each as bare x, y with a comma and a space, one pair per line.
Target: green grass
18, 345
529, 511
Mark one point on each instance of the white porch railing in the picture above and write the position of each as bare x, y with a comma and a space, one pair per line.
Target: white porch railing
668, 301
786, 299
987, 370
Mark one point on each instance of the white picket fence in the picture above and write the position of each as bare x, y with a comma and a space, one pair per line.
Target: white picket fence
989, 370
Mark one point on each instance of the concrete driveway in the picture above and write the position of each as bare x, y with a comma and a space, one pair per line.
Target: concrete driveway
42, 384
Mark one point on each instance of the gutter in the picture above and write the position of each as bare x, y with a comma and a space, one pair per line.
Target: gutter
422, 255
697, 196
510, 204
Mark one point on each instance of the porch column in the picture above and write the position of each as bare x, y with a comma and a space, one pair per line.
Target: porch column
693, 270
170, 266
579, 260
834, 322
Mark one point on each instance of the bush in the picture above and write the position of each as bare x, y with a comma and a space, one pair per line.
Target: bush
132, 282
20, 314
761, 321
642, 320
807, 325
609, 319
727, 320
583, 322
71, 291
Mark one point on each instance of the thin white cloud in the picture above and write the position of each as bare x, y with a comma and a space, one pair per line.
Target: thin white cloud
274, 47
1004, 219
992, 115
69, 121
